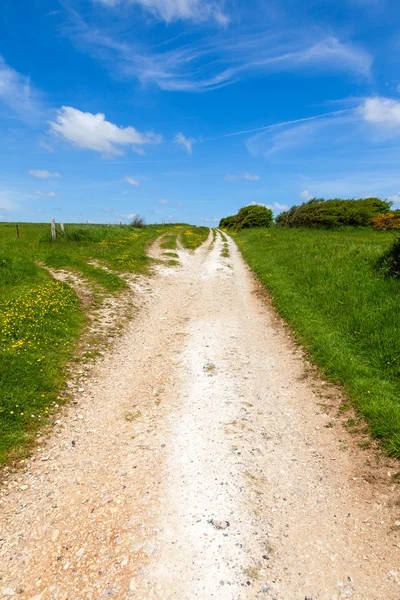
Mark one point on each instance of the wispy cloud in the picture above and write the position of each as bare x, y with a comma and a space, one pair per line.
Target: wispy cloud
131, 180
374, 120
162, 201
275, 207
395, 198
185, 142
172, 10
312, 132
280, 125
246, 176
46, 146
128, 217
39, 174
213, 61
358, 184
45, 194
7, 205
17, 92
93, 132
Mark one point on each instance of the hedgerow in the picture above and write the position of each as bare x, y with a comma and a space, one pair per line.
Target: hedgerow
329, 214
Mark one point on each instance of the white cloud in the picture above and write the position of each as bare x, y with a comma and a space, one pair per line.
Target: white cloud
251, 177
128, 217
45, 194
17, 92
187, 143
246, 176
280, 207
180, 204
275, 207
395, 198
43, 174
382, 111
162, 201
171, 10
6, 205
131, 180
45, 146
92, 131
306, 195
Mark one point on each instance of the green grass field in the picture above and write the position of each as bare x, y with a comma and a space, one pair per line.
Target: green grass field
347, 315
192, 237
41, 320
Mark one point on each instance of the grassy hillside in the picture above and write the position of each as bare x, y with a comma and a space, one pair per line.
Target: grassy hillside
347, 315
41, 319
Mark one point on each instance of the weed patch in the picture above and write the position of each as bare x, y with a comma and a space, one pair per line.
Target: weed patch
37, 335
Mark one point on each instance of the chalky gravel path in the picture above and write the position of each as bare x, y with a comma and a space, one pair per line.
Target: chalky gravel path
196, 464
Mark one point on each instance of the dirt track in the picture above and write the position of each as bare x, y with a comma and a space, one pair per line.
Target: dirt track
200, 462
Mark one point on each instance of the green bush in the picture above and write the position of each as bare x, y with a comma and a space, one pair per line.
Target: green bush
254, 215
138, 222
228, 222
320, 213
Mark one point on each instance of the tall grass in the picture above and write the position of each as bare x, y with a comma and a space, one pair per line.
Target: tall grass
325, 284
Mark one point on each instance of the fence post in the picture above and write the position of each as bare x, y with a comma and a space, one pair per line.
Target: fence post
62, 227
53, 229
17, 230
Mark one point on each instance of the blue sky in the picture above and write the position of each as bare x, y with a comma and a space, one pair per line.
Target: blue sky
186, 110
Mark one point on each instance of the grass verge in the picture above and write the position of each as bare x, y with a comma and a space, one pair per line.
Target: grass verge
324, 283
41, 320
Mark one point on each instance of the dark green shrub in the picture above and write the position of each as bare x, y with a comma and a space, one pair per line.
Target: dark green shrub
228, 222
328, 214
138, 222
253, 215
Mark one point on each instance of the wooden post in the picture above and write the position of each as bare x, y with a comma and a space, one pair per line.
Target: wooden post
62, 227
17, 230
53, 230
